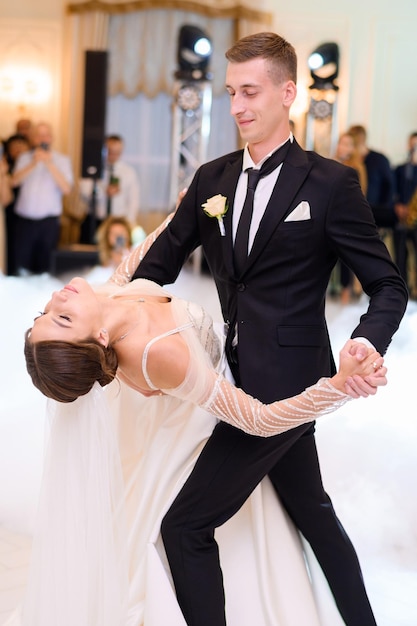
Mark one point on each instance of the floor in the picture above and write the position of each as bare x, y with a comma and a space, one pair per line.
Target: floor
390, 593
392, 587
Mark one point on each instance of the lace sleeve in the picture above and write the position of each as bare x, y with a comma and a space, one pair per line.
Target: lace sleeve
234, 406
125, 270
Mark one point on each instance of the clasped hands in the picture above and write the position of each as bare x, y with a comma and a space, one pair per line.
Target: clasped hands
361, 370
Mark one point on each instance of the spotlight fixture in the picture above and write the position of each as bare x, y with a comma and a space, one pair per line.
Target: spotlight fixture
194, 53
324, 66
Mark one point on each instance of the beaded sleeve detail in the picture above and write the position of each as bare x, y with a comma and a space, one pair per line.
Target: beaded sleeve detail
232, 405
125, 270
204, 387
235, 407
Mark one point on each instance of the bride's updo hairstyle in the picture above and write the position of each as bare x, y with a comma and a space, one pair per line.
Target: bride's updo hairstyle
63, 370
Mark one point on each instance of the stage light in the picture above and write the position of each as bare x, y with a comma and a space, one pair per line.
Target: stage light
194, 53
324, 66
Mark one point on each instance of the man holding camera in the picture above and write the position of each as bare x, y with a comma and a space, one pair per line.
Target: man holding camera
44, 177
117, 193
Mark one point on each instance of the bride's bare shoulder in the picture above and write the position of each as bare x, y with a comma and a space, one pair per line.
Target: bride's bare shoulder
167, 361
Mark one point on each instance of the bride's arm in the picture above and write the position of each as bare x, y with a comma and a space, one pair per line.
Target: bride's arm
237, 408
233, 405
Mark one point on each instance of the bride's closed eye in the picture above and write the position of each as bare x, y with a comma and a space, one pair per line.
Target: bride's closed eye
41, 313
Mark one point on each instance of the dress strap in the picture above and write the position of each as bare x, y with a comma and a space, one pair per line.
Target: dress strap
150, 343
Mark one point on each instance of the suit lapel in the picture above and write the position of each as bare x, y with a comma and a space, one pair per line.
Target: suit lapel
293, 174
228, 183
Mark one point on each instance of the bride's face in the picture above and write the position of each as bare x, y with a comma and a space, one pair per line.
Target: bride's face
72, 314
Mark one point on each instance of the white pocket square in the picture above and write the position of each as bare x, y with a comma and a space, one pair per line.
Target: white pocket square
301, 212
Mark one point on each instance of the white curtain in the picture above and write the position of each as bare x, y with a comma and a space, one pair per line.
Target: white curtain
142, 64
142, 45
145, 125
143, 50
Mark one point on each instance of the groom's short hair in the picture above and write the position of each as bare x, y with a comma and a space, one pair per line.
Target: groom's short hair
270, 46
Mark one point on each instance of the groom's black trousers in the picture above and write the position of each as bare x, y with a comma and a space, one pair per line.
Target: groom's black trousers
229, 468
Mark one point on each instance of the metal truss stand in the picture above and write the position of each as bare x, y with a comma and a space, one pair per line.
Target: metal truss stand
191, 112
322, 126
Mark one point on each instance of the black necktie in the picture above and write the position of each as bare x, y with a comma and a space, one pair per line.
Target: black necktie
242, 233
241, 247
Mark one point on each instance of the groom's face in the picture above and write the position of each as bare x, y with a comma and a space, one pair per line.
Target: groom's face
259, 105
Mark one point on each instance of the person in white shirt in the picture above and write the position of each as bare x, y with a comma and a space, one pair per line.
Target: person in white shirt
44, 177
117, 193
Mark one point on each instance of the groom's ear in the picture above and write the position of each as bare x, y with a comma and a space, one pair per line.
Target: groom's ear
289, 93
103, 337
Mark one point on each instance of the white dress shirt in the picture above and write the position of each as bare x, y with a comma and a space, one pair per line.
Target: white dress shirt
39, 195
262, 193
123, 204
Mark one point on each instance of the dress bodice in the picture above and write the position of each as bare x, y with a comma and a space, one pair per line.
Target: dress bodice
186, 314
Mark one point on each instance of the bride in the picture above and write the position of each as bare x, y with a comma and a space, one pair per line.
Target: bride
117, 458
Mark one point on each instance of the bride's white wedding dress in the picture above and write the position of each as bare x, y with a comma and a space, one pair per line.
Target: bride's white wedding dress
115, 461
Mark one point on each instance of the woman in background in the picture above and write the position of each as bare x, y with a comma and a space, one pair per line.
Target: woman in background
114, 241
348, 154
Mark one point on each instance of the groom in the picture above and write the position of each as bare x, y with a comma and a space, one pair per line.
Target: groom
302, 213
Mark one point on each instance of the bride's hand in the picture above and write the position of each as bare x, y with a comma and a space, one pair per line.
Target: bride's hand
360, 373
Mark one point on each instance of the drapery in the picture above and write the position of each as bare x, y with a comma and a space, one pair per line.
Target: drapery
141, 37
143, 50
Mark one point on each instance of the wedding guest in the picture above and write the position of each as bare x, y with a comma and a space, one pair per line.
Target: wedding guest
347, 153
44, 176
405, 231
14, 146
5, 198
380, 184
5, 186
25, 128
117, 193
116, 237
114, 241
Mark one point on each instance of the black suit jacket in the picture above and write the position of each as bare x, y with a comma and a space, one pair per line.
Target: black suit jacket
280, 297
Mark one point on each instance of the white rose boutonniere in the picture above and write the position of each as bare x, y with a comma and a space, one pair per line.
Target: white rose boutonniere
216, 207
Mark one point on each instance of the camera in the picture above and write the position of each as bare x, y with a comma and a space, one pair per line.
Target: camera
120, 243
44, 146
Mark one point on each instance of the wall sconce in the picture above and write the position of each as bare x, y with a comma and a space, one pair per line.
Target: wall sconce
24, 87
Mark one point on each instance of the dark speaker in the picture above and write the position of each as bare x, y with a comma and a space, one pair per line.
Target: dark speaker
94, 121
73, 258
